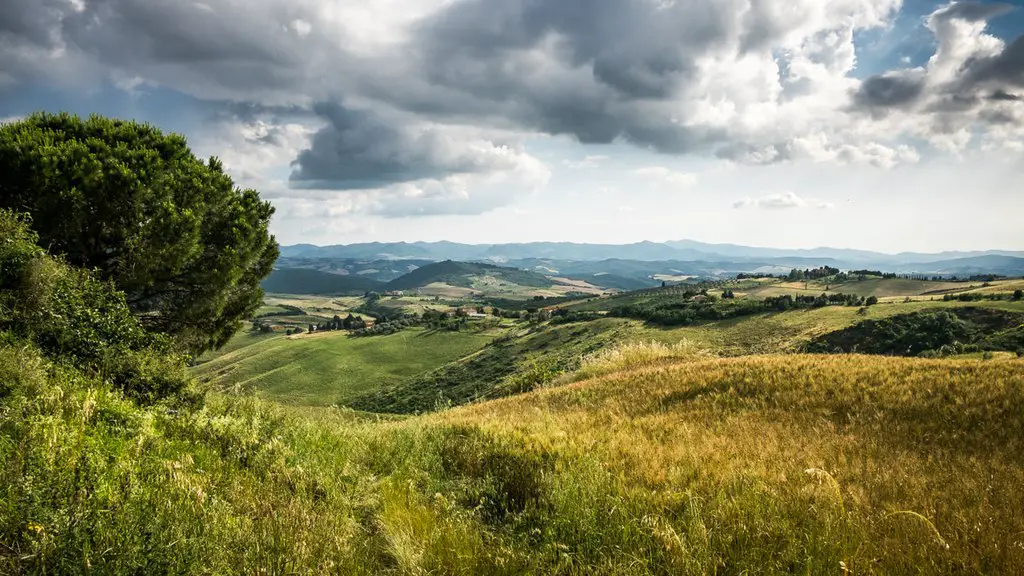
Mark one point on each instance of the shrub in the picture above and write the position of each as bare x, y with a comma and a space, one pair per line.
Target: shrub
75, 318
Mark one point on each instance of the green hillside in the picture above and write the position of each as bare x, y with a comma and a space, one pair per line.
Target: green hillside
333, 368
519, 361
749, 465
307, 281
461, 274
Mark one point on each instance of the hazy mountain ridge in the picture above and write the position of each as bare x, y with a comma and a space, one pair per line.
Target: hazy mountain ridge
672, 250
682, 256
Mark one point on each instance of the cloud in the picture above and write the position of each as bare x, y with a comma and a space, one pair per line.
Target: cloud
891, 90
781, 201
665, 176
968, 84
424, 106
974, 11
403, 168
678, 77
589, 161
360, 149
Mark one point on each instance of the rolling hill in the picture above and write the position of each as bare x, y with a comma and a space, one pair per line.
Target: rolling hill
332, 368
309, 281
646, 465
461, 274
383, 270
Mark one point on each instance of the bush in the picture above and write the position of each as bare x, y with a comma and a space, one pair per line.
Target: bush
73, 317
928, 333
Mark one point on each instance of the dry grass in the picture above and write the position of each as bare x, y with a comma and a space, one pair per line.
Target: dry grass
917, 463
635, 355
661, 462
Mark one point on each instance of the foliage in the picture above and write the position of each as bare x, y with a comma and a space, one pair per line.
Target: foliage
692, 307
812, 274
460, 273
172, 232
385, 328
563, 316
929, 333
975, 297
73, 317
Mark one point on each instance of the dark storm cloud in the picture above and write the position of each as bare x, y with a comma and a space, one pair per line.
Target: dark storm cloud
32, 22
1005, 69
980, 81
889, 91
1004, 96
358, 149
219, 49
612, 58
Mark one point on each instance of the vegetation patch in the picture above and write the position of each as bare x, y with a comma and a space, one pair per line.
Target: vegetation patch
461, 274
929, 332
515, 363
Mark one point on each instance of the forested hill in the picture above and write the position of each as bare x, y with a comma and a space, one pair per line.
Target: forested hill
307, 281
462, 273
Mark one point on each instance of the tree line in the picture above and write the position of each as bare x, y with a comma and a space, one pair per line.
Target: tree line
691, 309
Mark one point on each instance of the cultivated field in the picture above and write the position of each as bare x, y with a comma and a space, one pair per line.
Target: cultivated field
332, 367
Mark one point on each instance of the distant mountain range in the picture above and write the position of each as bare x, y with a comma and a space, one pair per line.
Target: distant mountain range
646, 259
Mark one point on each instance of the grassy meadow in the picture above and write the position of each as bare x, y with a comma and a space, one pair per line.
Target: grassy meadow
331, 368
653, 463
786, 332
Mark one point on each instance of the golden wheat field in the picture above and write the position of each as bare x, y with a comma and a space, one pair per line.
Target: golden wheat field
889, 465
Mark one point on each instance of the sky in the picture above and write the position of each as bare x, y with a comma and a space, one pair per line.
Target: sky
876, 124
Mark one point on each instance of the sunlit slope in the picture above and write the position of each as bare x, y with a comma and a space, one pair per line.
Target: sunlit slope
650, 465
330, 368
774, 463
773, 332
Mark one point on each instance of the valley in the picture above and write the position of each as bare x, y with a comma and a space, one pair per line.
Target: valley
536, 341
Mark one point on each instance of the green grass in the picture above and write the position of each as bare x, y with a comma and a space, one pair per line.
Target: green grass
522, 360
767, 465
245, 337
775, 332
266, 310
331, 368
